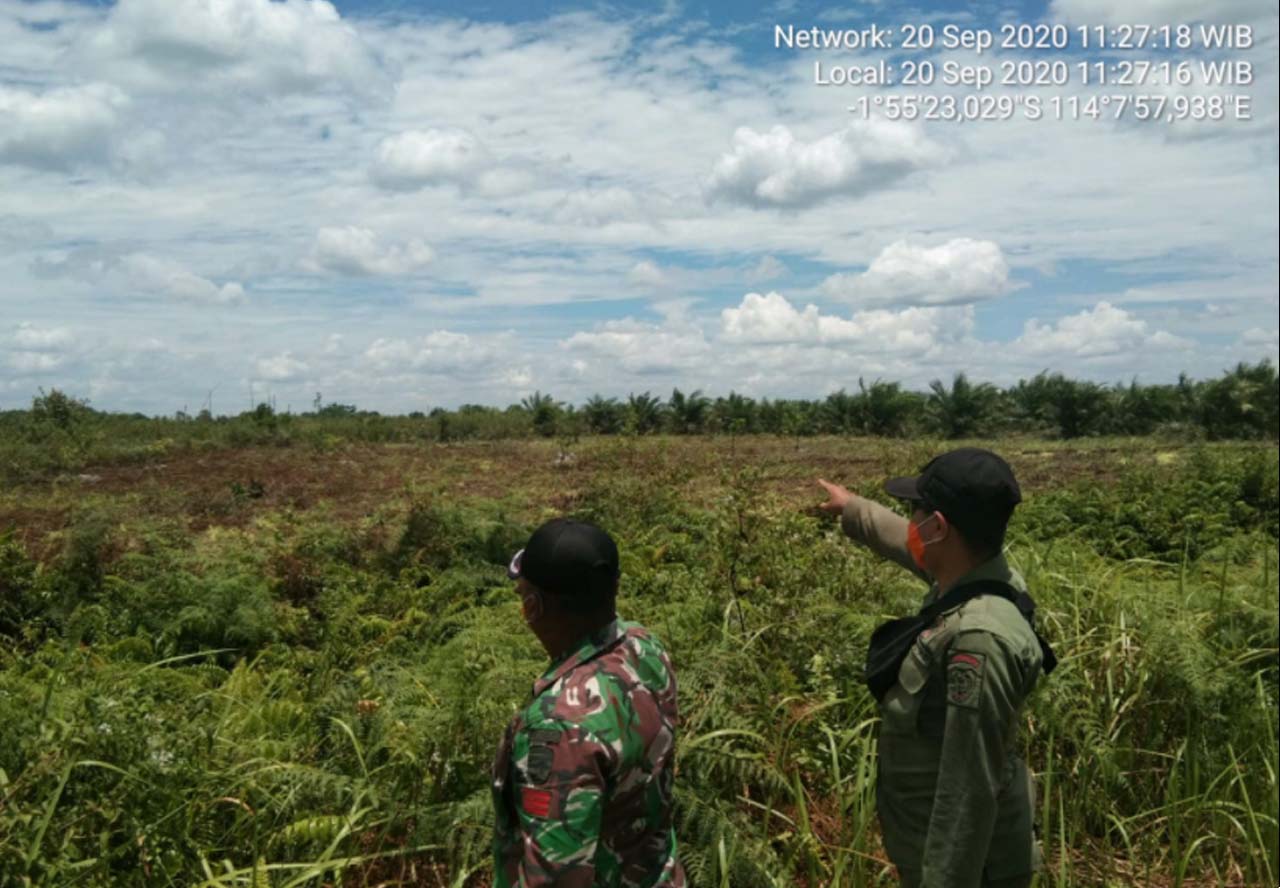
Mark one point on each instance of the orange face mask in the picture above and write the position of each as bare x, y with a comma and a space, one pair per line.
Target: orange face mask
915, 544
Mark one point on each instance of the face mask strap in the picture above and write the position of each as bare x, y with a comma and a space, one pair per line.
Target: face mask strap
942, 528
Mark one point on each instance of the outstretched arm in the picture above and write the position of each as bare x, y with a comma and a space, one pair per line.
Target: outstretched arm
867, 522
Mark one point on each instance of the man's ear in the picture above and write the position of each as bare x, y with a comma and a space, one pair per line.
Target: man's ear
944, 527
533, 604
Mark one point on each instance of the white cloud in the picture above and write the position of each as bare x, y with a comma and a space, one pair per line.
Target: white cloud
414, 159
642, 348
165, 277
35, 349
39, 339
1261, 343
30, 362
441, 352
599, 206
647, 274
136, 273
771, 318
960, 271
255, 46
1259, 336
352, 250
775, 169
1102, 331
608, 162
283, 367
60, 129
1159, 12
767, 269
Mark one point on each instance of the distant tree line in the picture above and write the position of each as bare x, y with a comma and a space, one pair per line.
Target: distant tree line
1240, 404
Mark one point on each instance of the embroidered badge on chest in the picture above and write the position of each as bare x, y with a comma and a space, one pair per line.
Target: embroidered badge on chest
964, 679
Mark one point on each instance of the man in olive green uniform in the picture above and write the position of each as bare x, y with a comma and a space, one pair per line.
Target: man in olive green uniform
954, 798
582, 783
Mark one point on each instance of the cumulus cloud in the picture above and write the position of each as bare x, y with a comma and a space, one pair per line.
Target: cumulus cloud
955, 273
598, 206
283, 367
1262, 342
771, 318
439, 352
33, 349
642, 348
165, 277
32, 338
352, 250
28, 362
1100, 332
775, 169
255, 46
134, 273
417, 158
647, 274
60, 129
1159, 12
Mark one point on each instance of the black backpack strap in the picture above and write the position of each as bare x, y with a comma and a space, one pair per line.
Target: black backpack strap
891, 641
1025, 603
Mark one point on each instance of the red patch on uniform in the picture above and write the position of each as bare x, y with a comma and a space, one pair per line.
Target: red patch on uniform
536, 802
967, 659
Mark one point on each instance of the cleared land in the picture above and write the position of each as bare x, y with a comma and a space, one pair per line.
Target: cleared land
292, 664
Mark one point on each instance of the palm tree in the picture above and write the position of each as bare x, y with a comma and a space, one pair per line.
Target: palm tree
543, 411
883, 408
1242, 404
962, 410
1076, 408
839, 413
736, 413
644, 413
603, 415
687, 413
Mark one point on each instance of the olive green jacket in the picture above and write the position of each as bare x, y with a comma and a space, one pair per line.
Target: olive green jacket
954, 798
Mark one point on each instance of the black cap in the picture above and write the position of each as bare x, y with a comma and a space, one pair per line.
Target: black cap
569, 558
974, 488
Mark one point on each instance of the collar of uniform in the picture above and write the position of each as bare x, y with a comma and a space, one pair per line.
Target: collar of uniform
996, 568
592, 646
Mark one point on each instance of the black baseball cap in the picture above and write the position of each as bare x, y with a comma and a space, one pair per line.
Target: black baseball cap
569, 558
974, 488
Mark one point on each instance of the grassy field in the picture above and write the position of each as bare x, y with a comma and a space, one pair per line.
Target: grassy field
291, 665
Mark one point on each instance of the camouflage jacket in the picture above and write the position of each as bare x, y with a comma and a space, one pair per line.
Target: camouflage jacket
582, 783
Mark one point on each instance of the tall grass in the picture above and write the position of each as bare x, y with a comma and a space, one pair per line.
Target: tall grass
308, 700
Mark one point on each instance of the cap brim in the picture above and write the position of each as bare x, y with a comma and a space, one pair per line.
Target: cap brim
904, 488
513, 567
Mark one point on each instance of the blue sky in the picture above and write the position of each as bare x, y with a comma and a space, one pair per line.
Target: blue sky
405, 205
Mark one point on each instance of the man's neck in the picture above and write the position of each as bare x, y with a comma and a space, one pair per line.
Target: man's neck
948, 575
570, 638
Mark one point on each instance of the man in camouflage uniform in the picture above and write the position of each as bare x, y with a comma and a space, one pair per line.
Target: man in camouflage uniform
955, 800
582, 782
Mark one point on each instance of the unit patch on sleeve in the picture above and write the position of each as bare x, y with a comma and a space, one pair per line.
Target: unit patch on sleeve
541, 755
964, 679
536, 802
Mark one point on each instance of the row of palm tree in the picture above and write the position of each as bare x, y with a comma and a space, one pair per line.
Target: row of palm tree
1240, 404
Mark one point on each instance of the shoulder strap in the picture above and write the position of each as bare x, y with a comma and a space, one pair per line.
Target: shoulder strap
960, 594
1025, 603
